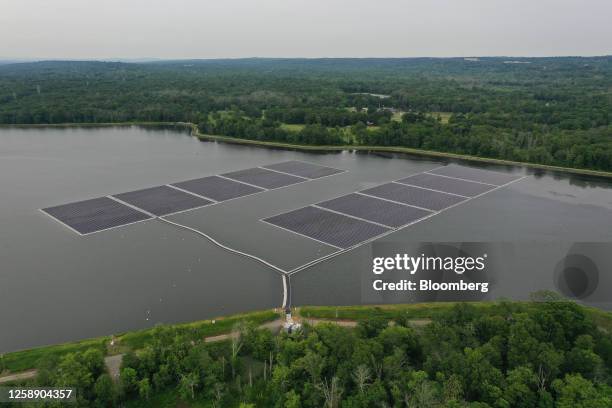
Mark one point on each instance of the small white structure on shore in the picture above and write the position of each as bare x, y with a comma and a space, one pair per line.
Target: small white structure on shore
290, 326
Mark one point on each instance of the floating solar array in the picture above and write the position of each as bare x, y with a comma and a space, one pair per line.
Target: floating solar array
328, 227
446, 184
103, 213
359, 217
475, 175
264, 178
384, 212
218, 188
303, 169
96, 214
162, 200
415, 196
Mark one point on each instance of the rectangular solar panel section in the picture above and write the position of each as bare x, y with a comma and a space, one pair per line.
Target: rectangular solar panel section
217, 188
264, 178
303, 169
478, 175
448, 185
97, 214
328, 227
431, 200
373, 209
162, 200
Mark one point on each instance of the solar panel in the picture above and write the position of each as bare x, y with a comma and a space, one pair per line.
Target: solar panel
303, 169
478, 175
95, 215
162, 200
448, 185
264, 178
217, 188
419, 197
376, 210
328, 227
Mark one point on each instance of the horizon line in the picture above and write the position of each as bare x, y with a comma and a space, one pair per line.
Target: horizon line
160, 59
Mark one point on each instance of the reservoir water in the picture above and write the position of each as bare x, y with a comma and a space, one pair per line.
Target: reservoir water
56, 286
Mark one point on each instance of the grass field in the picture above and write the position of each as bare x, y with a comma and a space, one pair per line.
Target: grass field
444, 116
411, 311
292, 127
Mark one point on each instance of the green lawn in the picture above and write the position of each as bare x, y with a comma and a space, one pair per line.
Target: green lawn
397, 116
292, 127
444, 116
413, 311
28, 359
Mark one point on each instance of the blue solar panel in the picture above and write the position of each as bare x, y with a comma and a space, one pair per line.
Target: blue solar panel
419, 197
264, 178
328, 227
375, 210
303, 169
448, 185
95, 215
478, 175
217, 188
162, 200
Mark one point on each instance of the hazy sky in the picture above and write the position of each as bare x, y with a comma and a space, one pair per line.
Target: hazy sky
302, 28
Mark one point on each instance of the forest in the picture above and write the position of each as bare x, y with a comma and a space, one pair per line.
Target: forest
552, 111
510, 354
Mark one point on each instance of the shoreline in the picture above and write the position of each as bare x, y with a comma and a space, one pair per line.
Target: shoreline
384, 149
16, 362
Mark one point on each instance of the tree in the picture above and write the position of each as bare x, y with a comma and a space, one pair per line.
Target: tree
576, 392
421, 392
361, 376
481, 379
236, 345
104, 390
372, 326
187, 385
521, 388
331, 391
452, 389
313, 364
144, 389
292, 400
129, 380
71, 372
582, 359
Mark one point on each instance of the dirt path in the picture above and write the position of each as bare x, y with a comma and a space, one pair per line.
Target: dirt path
343, 323
273, 326
113, 365
24, 375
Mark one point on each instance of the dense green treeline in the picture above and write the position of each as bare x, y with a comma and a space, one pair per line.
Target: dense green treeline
547, 110
528, 355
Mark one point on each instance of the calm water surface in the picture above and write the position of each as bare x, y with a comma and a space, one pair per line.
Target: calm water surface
56, 286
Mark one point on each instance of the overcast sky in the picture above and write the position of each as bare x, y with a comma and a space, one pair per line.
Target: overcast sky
302, 28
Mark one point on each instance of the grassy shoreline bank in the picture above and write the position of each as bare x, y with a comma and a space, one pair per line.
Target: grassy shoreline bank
27, 359
19, 361
385, 149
